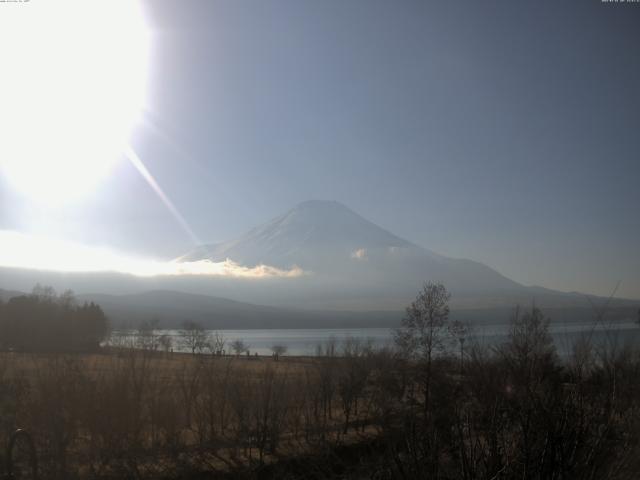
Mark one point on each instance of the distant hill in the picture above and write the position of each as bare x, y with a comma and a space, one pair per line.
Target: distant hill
171, 308
355, 273
5, 295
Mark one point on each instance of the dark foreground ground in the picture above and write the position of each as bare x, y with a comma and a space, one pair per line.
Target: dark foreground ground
512, 412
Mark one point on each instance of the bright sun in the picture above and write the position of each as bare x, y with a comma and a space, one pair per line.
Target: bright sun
72, 84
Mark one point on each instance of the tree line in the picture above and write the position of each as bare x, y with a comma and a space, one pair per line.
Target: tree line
46, 321
192, 337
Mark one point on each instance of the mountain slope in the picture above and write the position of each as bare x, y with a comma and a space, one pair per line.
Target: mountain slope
306, 234
5, 295
329, 240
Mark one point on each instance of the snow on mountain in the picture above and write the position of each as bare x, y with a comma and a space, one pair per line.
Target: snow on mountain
330, 240
307, 233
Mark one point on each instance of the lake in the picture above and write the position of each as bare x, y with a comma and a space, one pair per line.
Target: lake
305, 341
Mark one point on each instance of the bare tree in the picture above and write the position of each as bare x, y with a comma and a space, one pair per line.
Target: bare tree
424, 330
166, 342
239, 346
43, 292
217, 343
67, 299
194, 336
530, 349
459, 331
146, 337
328, 348
352, 376
278, 350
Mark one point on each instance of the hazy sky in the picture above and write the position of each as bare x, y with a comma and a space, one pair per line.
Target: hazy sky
503, 131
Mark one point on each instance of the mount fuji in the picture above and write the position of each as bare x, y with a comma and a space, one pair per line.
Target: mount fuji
349, 259
349, 271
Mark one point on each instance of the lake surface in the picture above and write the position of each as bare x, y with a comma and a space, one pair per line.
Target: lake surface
305, 341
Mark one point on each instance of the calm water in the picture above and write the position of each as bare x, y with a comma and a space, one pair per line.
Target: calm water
305, 341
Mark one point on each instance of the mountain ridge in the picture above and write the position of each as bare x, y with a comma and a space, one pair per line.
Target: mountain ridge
171, 308
328, 238
349, 264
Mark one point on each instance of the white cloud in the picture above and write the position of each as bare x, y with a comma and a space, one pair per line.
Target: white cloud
21, 250
229, 268
360, 254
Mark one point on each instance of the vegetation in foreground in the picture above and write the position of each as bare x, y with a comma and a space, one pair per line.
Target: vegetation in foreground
433, 407
45, 321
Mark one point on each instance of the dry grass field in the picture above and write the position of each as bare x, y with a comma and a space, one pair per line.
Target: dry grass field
140, 414
516, 411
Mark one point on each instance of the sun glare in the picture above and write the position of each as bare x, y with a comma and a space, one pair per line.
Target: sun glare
73, 85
